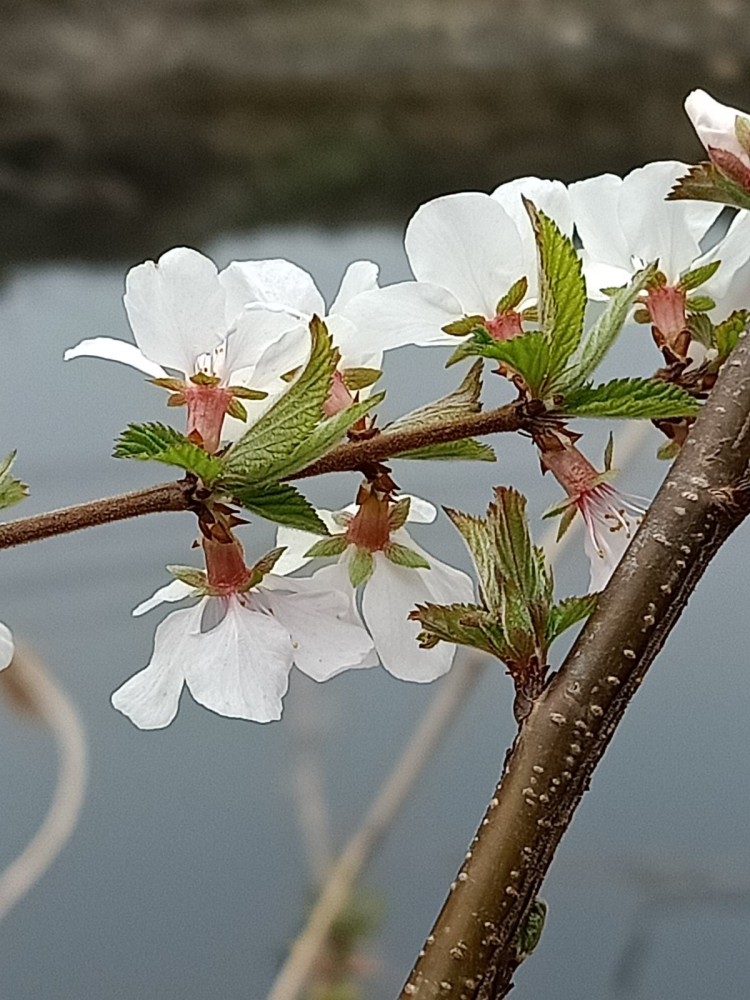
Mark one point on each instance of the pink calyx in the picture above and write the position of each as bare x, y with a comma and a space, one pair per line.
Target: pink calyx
339, 397
667, 307
505, 326
207, 406
370, 528
225, 566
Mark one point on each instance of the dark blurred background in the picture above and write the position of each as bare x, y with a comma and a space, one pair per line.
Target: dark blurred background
161, 121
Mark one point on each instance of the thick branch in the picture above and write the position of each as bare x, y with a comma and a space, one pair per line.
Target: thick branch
470, 954
178, 496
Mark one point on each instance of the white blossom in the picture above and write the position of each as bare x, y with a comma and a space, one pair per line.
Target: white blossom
715, 123
6, 646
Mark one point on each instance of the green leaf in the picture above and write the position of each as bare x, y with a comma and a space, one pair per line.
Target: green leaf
361, 567
530, 932
464, 624
460, 403
567, 613
402, 555
269, 443
562, 289
527, 356
467, 448
332, 546
702, 329
728, 332
700, 303
320, 441
605, 331
519, 559
12, 490
159, 443
191, 575
478, 537
742, 131
513, 298
360, 378
464, 326
635, 397
698, 276
706, 182
283, 504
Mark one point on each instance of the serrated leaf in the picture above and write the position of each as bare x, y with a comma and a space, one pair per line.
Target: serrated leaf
513, 297
698, 276
160, 443
519, 559
320, 441
479, 540
467, 449
12, 490
463, 624
464, 326
700, 303
402, 555
283, 504
567, 613
361, 567
597, 342
268, 444
360, 378
327, 547
706, 182
463, 401
562, 289
527, 356
636, 398
729, 331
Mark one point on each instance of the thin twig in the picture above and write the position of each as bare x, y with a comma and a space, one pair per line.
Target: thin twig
471, 952
179, 496
47, 700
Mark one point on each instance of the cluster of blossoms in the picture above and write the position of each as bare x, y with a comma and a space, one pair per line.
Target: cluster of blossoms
229, 345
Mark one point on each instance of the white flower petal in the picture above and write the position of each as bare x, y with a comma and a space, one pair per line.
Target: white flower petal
595, 208
361, 276
277, 282
468, 244
176, 308
150, 698
356, 351
297, 543
715, 123
730, 285
174, 591
6, 646
654, 228
600, 276
411, 312
325, 642
255, 331
115, 350
421, 511
389, 595
240, 668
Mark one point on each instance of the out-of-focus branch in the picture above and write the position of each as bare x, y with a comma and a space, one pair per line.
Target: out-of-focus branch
37, 692
471, 952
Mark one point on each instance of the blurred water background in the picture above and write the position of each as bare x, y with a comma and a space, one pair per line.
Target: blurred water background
310, 131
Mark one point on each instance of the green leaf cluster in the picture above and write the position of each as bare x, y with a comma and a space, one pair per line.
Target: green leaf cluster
160, 443
516, 619
707, 182
630, 398
12, 490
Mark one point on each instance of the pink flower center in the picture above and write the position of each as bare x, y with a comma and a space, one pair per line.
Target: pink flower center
225, 565
666, 305
370, 528
505, 326
339, 397
207, 406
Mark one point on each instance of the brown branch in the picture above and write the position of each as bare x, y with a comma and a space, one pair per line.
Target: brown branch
165, 497
470, 954
179, 496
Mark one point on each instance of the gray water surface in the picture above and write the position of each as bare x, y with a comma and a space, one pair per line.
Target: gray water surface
186, 878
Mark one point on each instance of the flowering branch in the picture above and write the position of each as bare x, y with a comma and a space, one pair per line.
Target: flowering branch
472, 951
179, 495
